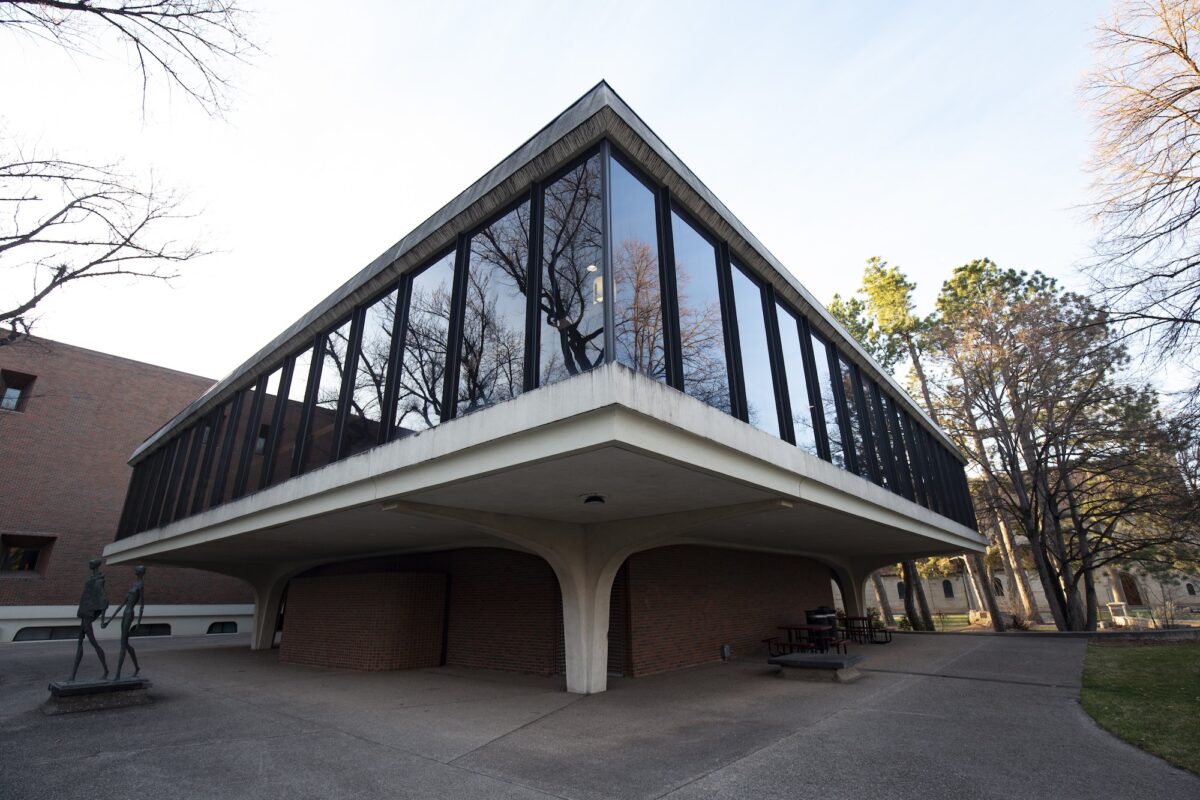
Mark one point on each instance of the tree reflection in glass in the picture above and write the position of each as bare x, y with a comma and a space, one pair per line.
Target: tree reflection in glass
426, 340
329, 390
493, 347
701, 334
856, 423
370, 376
793, 367
833, 430
571, 302
637, 286
756, 360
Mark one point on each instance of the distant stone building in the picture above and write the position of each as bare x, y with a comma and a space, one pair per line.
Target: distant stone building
69, 418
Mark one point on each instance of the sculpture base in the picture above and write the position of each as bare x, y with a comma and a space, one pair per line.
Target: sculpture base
67, 697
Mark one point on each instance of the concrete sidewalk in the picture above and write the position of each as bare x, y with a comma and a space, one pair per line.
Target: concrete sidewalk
951, 717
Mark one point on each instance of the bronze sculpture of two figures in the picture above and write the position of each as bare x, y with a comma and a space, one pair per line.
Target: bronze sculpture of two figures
92, 605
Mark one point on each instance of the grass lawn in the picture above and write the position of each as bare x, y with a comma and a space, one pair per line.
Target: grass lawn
1149, 695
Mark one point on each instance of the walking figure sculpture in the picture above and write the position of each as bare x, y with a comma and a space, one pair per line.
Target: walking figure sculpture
135, 597
92, 605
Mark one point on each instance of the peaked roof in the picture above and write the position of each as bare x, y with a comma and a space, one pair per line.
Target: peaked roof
599, 113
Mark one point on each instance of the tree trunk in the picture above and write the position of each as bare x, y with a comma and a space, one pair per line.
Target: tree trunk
989, 599
971, 582
922, 603
921, 380
1012, 562
908, 571
885, 606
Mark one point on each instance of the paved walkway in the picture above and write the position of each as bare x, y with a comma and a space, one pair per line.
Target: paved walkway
953, 717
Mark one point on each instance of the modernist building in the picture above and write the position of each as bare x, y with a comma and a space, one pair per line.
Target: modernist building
69, 417
579, 420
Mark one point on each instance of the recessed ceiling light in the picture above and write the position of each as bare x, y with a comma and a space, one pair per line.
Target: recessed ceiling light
592, 268
593, 498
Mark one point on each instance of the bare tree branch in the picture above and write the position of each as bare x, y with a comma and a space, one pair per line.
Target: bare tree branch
188, 43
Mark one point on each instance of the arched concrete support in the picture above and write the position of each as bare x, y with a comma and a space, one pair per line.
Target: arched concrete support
586, 559
268, 584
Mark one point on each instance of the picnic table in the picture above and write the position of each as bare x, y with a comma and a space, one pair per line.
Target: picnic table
864, 630
813, 638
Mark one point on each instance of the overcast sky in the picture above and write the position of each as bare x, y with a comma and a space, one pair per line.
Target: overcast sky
929, 134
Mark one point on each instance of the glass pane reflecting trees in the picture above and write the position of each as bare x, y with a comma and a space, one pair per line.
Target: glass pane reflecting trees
571, 301
672, 282
793, 367
426, 341
492, 358
829, 403
637, 285
755, 353
318, 449
366, 399
701, 332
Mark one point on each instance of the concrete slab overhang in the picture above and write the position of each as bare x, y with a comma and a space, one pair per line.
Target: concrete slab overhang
652, 452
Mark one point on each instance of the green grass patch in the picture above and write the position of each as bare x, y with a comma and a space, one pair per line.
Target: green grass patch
1149, 695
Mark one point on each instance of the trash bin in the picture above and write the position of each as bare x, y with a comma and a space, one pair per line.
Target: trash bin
823, 615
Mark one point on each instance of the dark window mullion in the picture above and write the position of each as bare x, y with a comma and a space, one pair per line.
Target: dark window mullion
271, 446
883, 432
783, 400
533, 289
733, 354
670, 292
349, 373
215, 428
216, 498
610, 304
188, 487
864, 425
849, 445
133, 499
914, 459
900, 449
813, 381
173, 487
311, 392
396, 363
458, 304
151, 490
251, 437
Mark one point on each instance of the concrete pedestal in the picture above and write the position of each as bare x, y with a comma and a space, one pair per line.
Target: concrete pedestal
69, 696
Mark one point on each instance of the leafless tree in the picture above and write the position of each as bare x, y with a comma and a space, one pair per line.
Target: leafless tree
63, 221
187, 43
1146, 96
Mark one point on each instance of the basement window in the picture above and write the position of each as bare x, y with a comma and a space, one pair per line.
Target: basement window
15, 388
151, 629
24, 554
225, 626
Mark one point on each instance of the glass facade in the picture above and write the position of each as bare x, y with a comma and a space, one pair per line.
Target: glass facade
593, 264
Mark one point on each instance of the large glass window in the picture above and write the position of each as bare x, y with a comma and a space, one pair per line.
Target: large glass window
829, 403
213, 459
232, 444
426, 342
756, 360
862, 457
638, 312
571, 303
261, 433
793, 367
365, 413
289, 421
319, 448
701, 334
200, 436
493, 343
899, 447
879, 433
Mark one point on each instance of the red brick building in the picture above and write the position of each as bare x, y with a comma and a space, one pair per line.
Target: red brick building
69, 418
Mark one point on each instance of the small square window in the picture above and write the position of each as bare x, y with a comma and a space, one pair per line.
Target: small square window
15, 388
24, 554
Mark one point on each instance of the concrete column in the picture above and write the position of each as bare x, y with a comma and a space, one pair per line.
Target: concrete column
586, 591
268, 592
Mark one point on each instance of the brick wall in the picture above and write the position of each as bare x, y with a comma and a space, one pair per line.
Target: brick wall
65, 474
505, 606
685, 602
369, 622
